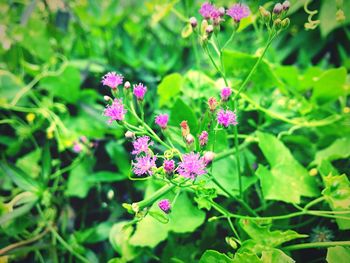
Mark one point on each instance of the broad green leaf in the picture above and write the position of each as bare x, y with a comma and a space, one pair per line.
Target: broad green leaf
169, 88
239, 64
246, 257
211, 256
10, 85
182, 112
337, 194
262, 238
65, 86
118, 156
338, 254
287, 180
275, 256
199, 85
330, 85
119, 239
187, 31
94, 234
174, 134
105, 177
339, 149
327, 16
30, 163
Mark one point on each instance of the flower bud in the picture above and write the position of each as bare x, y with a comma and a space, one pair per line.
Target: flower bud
169, 166
209, 30
189, 139
129, 135
208, 157
285, 23
278, 8
164, 205
286, 5
265, 15
185, 129
107, 98
203, 138
277, 23
127, 85
193, 22
222, 11
212, 102
340, 16
204, 26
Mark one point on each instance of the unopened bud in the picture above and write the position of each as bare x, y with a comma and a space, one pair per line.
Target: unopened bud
127, 85
278, 8
286, 5
107, 98
193, 22
221, 11
285, 23
185, 129
340, 16
213, 103
277, 23
130, 135
208, 157
189, 139
265, 15
209, 30
204, 26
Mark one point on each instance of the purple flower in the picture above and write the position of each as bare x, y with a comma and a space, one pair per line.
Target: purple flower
144, 165
140, 91
115, 111
278, 8
77, 147
226, 118
226, 93
203, 138
141, 145
238, 11
162, 120
191, 166
164, 205
206, 10
169, 166
112, 80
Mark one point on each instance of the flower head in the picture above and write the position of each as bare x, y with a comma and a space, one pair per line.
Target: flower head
227, 117
278, 8
203, 138
321, 234
140, 91
112, 80
141, 145
164, 205
191, 166
115, 111
238, 12
169, 166
162, 120
225, 93
144, 165
206, 10
77, 147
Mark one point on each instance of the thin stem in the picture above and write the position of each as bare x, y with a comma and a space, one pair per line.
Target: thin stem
150, 200
233, 228
317, 245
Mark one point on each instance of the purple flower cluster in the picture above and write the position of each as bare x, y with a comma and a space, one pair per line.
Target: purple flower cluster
115, 111
238, 12
141, 145
169, 166
112, 80
226, 118
162, 120
140, 91
225, 93
144, 165
203, 138
191, 166
164, 205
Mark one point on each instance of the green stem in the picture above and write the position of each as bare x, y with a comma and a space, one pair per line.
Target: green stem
150, 200
317, 245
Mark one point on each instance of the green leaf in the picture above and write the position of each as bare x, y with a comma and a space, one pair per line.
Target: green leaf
211, 256
10, 85
94, 234
330, 85
169, 88
186, 31
118, 156
105, 177
337, 194
275, 256
287, 180
246, 257
30, 163
65, 86
239, 64
182, 112
262, 238
338, 254
339, 149
159, 216
119, 238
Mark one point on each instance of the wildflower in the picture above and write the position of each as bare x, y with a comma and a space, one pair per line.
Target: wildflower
193, 22
226, 118
164, 205
321, 234
169, 166
144, 165
112, 80
278, 8
238, 12
140, 91
213, 103
191, 166
286, 5
185, 129
226, 93
206, 10
189, 139
77, 147
162, 120
115, 111
127, 85
141, 145
209, 29
203, 138
129, 135
208, 157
